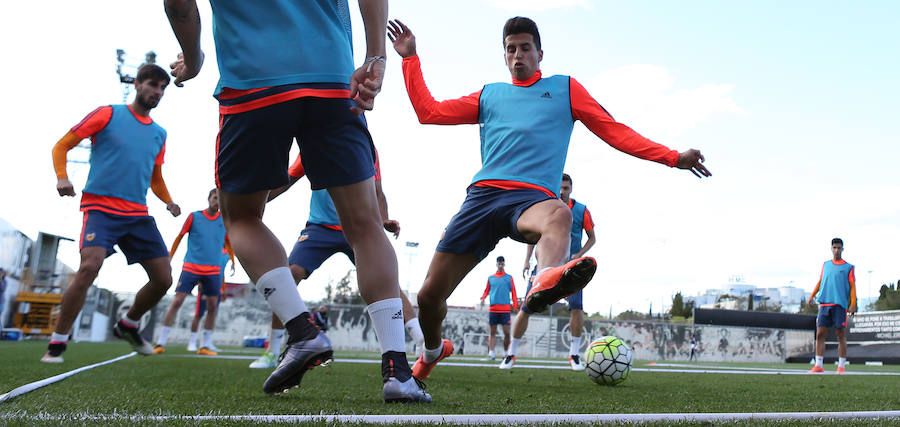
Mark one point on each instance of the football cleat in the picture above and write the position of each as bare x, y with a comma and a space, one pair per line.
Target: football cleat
159, 349
575, 363
138, 343
508, 362
816, 370
556, 283
54, 353
422, 369
296, 359
266, 361
192, 346
206, 352
411, 391
840, 370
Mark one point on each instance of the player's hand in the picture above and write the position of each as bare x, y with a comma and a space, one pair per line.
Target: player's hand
392, 226
184, 69
526, 268
403, 39
64, 187
810, 301
852, 310
692, 160
365, 84
174, 209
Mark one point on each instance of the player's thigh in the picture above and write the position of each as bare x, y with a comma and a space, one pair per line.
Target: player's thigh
144, 244
551, 215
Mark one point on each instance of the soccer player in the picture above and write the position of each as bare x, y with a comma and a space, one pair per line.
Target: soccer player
206, 240
836, 292
286, 70
581, 220
127, 150
321, 238
693, 348
525, 130
502, 289
200, 305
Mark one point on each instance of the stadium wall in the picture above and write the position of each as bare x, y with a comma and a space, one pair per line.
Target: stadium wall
350, 329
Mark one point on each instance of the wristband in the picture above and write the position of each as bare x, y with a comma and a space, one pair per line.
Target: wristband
371, 60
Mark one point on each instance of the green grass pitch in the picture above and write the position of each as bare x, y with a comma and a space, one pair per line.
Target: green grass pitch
174, 385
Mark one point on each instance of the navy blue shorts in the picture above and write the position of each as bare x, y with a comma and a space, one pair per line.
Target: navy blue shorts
575, 300
253, 146
137, 236
487, 215
316, 244
831, 316
498, 319
210, 284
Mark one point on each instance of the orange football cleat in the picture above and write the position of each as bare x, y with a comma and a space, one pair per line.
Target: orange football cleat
422, 369
816, 370
557, 283
206, 352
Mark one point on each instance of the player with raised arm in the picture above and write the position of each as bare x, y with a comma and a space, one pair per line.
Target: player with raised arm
127, 150
321, 238
502, 289
581, 220
525, 131
836, 294
286, 71
206, 240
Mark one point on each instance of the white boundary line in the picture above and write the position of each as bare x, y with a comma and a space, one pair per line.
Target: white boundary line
38, 384
496, 419
697, 370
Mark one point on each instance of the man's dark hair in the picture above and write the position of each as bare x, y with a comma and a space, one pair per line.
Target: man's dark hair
211, 192
153, 72
837, 240
500, 258
568, 178
520, 25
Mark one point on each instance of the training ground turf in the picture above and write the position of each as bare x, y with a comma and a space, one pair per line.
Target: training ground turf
179, 384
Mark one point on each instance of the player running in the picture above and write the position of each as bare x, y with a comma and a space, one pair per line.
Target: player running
525, 131
286, 70
502, 290
581, 220
127, 150
322, 238
836, 292
206, 241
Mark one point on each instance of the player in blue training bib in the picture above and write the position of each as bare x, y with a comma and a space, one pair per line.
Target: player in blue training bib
836, 295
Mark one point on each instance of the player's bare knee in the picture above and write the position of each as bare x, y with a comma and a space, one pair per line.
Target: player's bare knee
298, 272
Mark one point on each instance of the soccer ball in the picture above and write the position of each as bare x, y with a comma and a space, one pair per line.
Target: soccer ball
608, 360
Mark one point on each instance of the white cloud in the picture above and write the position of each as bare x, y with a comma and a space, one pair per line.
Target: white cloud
646, 96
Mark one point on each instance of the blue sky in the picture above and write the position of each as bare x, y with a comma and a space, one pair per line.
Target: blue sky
794, 106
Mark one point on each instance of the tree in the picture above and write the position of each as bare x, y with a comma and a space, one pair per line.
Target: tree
888, 297
750, 302
631, 315
808, 309
345, 293
680, 308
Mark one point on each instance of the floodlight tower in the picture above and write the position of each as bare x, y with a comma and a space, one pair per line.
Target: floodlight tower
125, 79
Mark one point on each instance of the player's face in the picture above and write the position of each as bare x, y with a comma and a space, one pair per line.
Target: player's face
565, 190
522, 57
149, 92
214, 201
500, 265
836, 250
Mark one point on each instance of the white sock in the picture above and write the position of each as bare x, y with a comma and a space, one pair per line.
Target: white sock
513, 346
576, 345
432, 354
63, 338
193, 338
842, 361
275, 338
491, 354
131, 322
278, 288
387, 318
819, 360
164, 335
414, 329
207, 338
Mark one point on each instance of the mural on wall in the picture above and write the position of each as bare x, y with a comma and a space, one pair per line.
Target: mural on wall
351, 329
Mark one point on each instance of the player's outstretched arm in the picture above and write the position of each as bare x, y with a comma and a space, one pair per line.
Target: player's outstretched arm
185, 20
158, 185
692, 160
365, 82
60, 150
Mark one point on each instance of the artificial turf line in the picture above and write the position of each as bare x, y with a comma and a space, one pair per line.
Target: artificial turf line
38, 384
